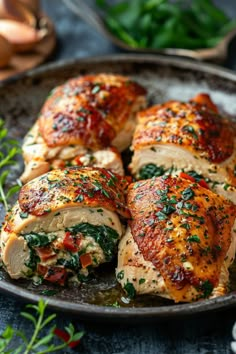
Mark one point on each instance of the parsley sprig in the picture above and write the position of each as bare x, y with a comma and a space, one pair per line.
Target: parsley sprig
38, 343
9, 149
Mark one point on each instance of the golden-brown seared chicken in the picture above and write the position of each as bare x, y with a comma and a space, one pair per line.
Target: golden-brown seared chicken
180, 243
189, 137
65, 223
82, 122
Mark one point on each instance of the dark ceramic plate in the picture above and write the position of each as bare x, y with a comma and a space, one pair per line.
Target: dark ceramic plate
165, 78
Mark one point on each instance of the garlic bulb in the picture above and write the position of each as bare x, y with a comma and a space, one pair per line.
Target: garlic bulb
5, 52
15, 10
33, 5
22, 37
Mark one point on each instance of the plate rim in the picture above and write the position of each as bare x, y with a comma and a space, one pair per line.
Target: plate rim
181, 62
108, 312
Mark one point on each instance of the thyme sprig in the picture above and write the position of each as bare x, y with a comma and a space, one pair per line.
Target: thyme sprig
9, 149
39, 342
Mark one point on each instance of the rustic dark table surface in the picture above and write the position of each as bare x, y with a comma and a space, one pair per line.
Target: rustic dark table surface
208, 333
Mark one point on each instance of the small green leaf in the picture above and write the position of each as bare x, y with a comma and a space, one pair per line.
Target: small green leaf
43, 341
3, 177
48, 320
29, 317
13, 190
70, 329
77, 336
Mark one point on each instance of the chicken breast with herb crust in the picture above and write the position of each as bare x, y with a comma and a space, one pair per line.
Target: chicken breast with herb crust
191, 137
64, 224
180, 243
85, 122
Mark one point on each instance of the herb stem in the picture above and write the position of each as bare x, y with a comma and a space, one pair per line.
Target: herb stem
3, 197
36, 331
53, 349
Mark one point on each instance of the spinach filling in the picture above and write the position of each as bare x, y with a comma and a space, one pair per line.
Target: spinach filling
73, 263
33, 240
151, 170
104, 235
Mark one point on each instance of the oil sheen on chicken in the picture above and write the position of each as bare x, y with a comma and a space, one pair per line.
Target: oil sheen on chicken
85, 122
180, 243
193, 138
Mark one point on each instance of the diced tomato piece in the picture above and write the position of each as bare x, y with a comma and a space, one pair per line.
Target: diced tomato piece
77, 161
45, 253
69, 242
203, 183
65, 336
186, 176
85, 260
56, 275
42, 270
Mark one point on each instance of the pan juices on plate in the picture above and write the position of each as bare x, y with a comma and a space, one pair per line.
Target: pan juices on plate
87, 121
64, 224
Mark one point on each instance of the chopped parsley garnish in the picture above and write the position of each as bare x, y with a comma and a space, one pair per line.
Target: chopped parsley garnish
79, 198
120, 275
195, 175
207, 288
189, 129
24, 215
168, 209
95, 89
129, 288
188, 193
161, 216
194, 238
185, 226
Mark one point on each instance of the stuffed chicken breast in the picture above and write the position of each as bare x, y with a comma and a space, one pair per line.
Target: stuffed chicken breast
65, 223
187, 137
180, 243
84, 122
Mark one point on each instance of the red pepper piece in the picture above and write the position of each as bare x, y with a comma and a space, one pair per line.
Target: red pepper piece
45, 253
56, 275
186, 176
65, 337
85, 260
203, 183
69, 242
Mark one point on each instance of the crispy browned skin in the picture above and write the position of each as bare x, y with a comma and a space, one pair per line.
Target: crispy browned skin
87, 186
195, 125
88, 110
204, 99
174, 222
